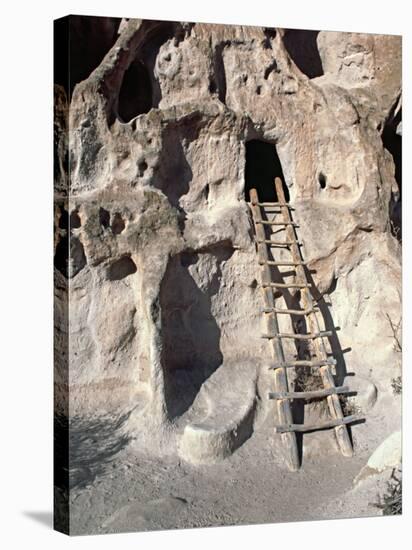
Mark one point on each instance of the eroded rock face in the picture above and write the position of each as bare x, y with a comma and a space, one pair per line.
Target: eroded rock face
163, 269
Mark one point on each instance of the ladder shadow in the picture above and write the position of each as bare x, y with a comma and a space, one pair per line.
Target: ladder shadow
335, 345
338, 352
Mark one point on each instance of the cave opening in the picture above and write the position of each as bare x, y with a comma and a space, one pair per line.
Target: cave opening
80, 44
140, 89
135, 97
392, 142
121, 268
302, 47
262, 167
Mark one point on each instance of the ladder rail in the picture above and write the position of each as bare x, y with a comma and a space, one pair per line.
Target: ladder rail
276, 346
319, 356
317, 345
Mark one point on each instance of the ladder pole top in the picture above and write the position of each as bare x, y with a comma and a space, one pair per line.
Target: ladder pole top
254, 199
279, 191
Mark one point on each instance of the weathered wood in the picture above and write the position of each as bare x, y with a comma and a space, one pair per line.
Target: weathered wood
273, 204
273, 262
285, 412
281, 382
308, 394
271, 222
335, 409
303, 363
314, 333
288, 311
321, 426
317, 345
289, 285
309, 336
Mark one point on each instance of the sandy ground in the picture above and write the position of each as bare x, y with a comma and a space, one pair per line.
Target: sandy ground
134, 491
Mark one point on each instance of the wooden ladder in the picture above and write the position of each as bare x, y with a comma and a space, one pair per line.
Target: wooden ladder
314, 336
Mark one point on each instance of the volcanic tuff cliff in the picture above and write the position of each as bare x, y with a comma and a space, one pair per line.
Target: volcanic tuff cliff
151, 136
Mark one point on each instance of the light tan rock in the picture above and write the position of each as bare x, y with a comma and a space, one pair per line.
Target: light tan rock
387, 455
222, 415
163, 276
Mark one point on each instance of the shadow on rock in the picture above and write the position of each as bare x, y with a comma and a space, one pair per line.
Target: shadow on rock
85, 446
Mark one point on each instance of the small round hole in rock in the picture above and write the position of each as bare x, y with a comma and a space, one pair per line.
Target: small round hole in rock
118, 224
63, 219
142, 167
212, 87
61, 258
270, 34
77, 259
75, 221
104, 217
322, 180
253, 284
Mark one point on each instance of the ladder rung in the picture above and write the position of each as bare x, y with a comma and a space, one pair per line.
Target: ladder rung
272, 204
288, 285
308, 394
289, 311
311, 427
310, 336
279, 243
271, 262
270, 222
303, 363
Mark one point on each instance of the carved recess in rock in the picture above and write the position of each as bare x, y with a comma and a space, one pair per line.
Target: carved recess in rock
69, 256
302, 47
168, 296
190, 329
90, 40
173, 173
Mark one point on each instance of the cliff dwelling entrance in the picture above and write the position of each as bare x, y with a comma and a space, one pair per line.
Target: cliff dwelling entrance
262, 167
90, 39
302, 47
135, 95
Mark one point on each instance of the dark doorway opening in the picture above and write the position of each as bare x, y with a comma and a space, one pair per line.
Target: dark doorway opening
392, 141
135, 96
262, 167
303, 49
80, 44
